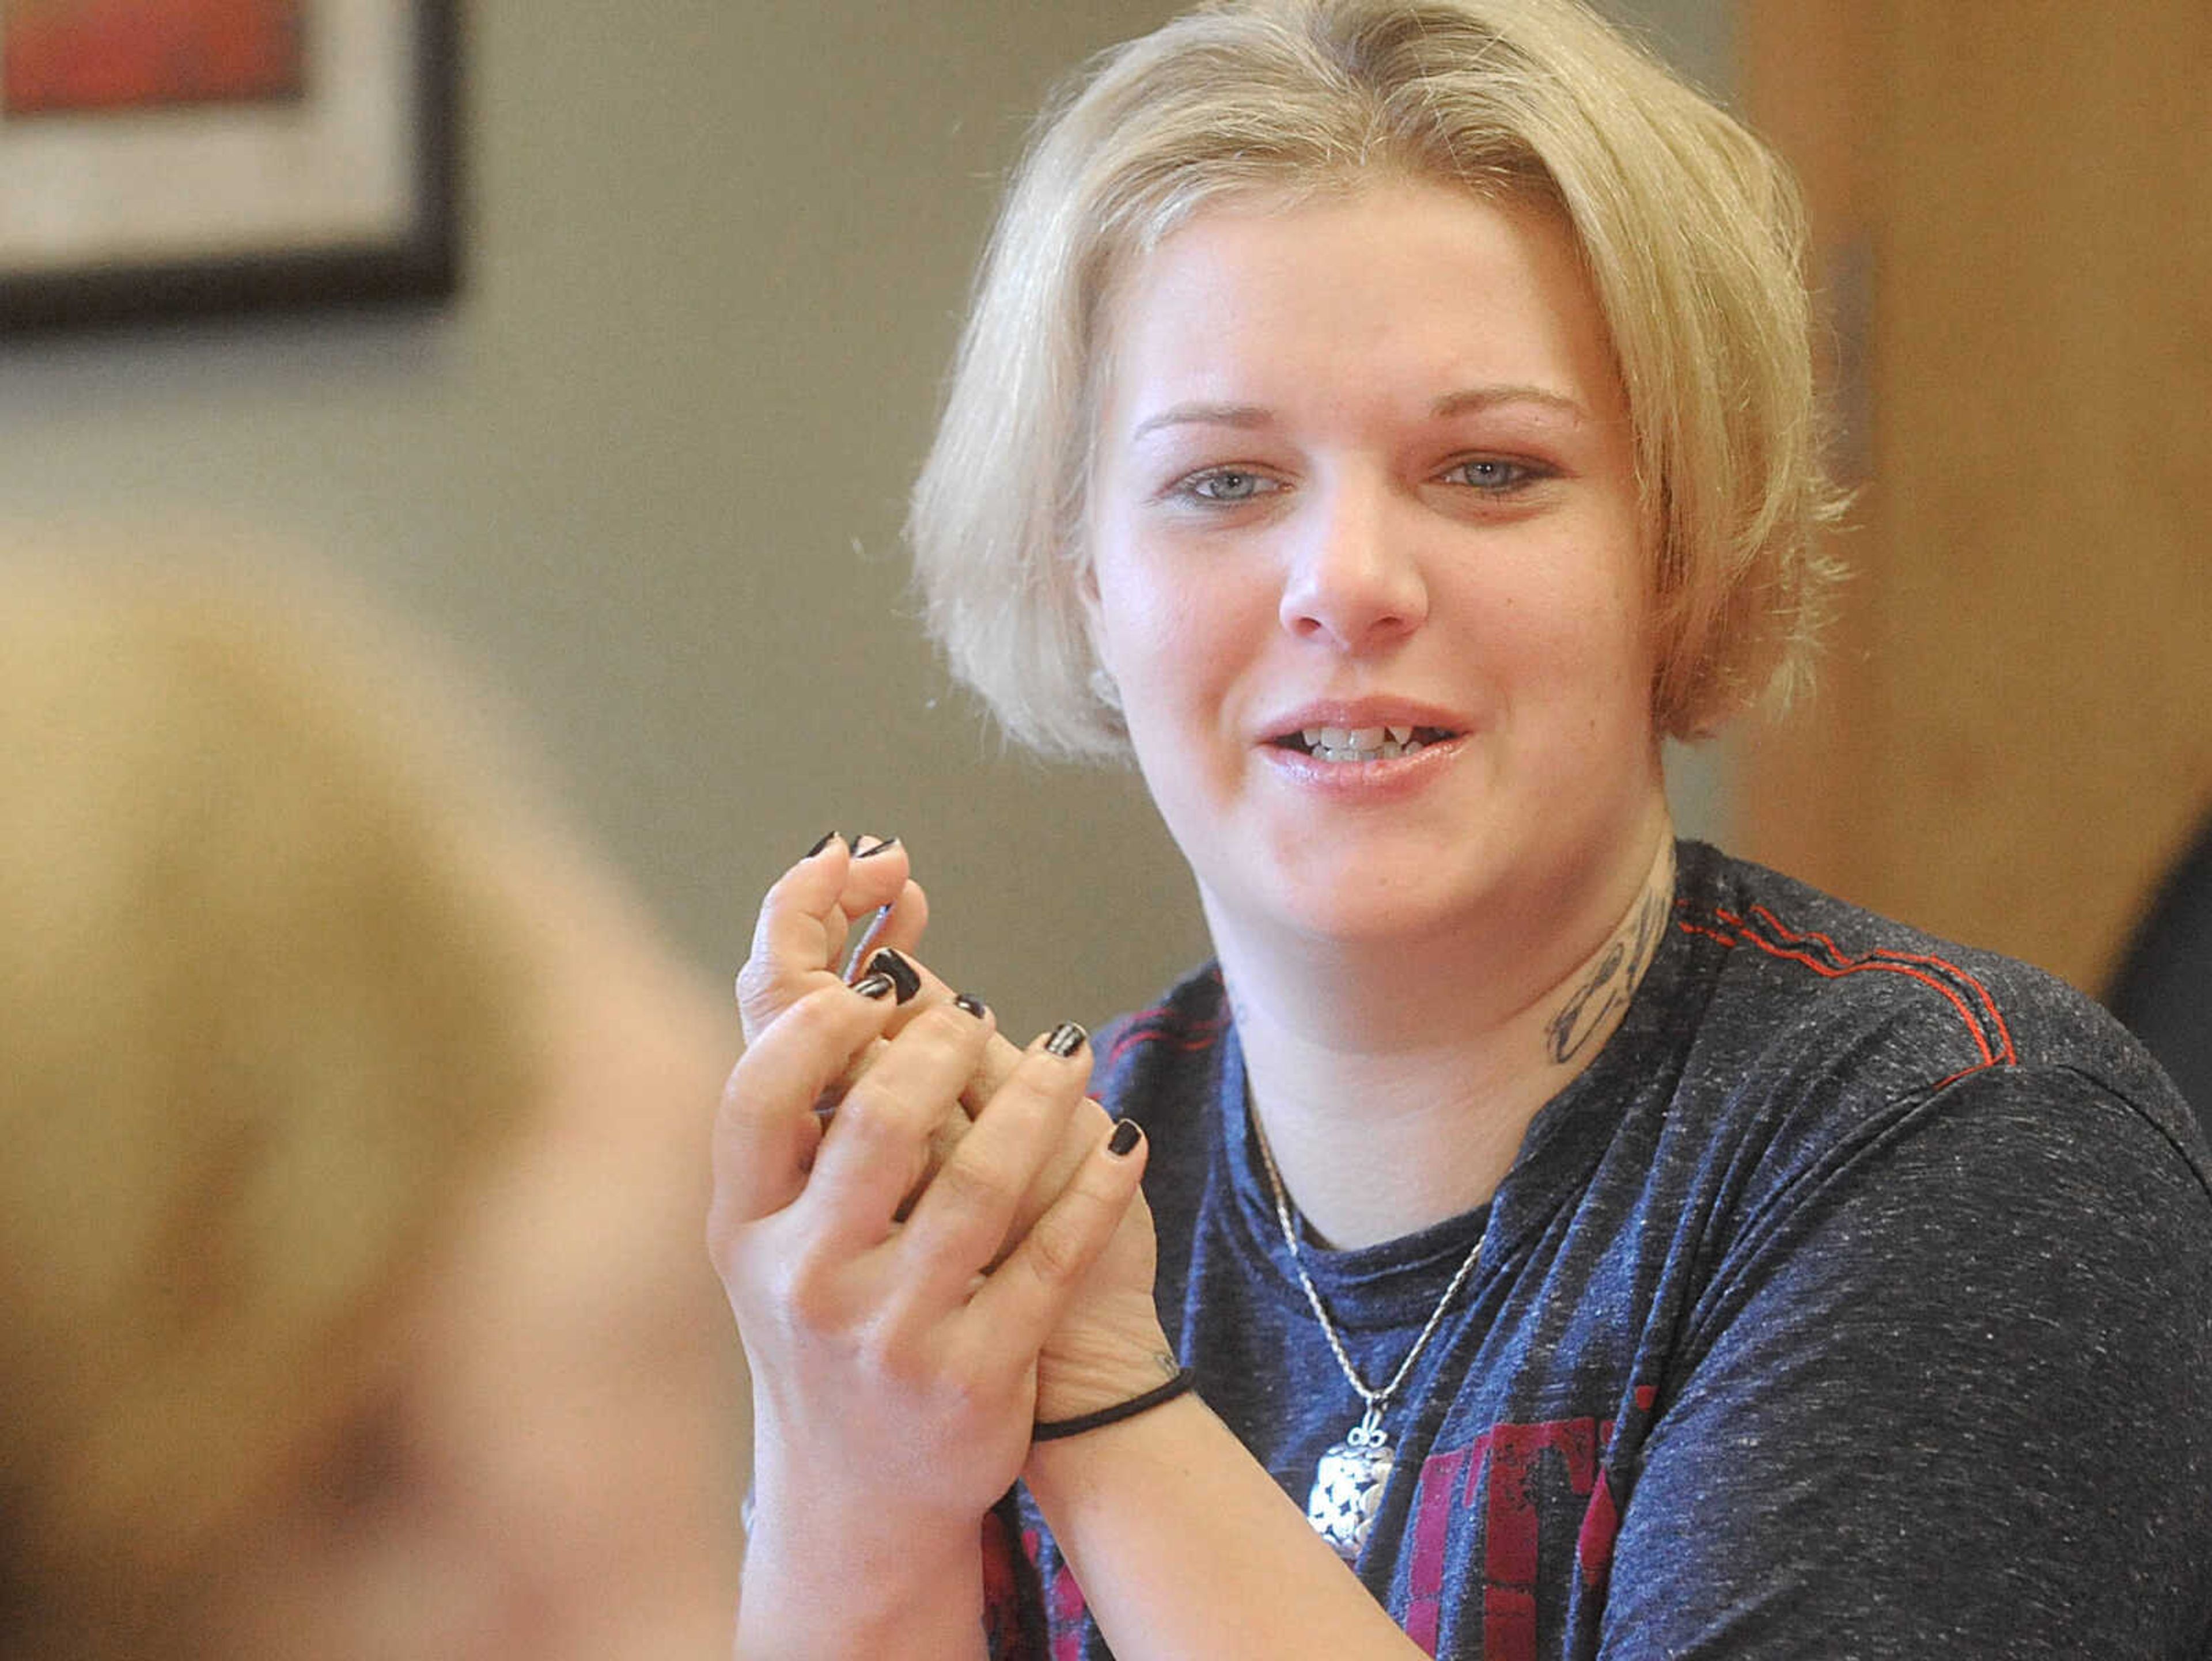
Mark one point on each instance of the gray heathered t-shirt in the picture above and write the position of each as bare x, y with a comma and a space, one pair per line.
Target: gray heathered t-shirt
1856, 1300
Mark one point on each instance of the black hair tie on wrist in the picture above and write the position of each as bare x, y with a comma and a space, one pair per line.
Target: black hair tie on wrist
1157, 1396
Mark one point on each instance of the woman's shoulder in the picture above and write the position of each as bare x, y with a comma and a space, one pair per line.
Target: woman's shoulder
1829, 1012
1170, 1067
1180, 1038
1793, 963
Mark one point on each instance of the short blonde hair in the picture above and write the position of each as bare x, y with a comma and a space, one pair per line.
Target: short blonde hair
1689, 228
264, 1005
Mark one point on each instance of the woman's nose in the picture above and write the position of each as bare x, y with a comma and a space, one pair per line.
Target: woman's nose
1353, 581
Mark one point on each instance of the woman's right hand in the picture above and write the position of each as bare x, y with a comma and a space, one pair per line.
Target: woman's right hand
894, 1379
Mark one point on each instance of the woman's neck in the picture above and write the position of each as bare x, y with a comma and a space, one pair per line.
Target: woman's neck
1395, 1084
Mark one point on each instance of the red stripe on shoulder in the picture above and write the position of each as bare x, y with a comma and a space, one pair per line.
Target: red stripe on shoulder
1996, 1024
1158, 1026
1161, 1024
1967, 995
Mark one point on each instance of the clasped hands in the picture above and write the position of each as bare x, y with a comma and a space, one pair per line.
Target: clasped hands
959, 1251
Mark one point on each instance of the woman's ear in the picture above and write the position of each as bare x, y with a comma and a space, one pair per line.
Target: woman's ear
1101, 680
1105, 688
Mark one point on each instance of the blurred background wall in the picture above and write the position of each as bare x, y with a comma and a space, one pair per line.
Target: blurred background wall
2012, 220
650, 465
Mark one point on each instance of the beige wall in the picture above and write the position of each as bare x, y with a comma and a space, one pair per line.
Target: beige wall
650, 467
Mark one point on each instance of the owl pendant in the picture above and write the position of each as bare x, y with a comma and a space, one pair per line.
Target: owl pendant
1348, 1485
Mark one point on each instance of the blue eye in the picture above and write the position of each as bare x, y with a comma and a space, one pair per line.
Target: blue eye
1228, 484
1490, 474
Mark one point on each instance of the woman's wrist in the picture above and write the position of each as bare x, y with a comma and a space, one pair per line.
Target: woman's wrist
1144, 1401
1076, 1380
802, 1596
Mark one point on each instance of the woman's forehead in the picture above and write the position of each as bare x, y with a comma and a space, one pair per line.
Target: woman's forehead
1437, 290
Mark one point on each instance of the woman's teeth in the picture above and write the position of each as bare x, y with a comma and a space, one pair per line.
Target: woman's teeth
1361, 744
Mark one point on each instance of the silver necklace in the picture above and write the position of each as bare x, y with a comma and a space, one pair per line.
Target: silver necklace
1350, 1480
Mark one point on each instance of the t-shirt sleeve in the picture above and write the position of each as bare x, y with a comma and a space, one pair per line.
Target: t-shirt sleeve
1947, 1391
1011, 1622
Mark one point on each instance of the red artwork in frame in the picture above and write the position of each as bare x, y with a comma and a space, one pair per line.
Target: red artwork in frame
170, 159
71, 56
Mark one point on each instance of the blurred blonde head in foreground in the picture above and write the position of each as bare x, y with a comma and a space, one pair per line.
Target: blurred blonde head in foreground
349, 1296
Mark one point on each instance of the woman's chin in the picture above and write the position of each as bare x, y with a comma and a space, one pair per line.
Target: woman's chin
1355, 912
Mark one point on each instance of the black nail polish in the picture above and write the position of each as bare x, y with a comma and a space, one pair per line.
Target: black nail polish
875, 986
902, 973
1065, 1040
870, 853
1126, 1136
975, 1006
823, 844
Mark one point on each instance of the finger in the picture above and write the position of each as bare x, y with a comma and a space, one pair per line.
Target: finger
1001, 1055
877, 1148
804, 927
915, 992
1025, 1296
795, 936
920, 987
959, 1224
1080, 1131
909, 916
765, 1134
998, 1064
879, 874
919, 990
1000, 1060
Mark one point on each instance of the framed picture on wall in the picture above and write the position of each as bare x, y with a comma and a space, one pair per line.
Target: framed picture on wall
173, 158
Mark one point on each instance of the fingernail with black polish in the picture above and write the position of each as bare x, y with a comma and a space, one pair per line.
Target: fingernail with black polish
1126, 1136
870, 853
902, 973
1065, 1040
823, 844
975, 1006
875, 986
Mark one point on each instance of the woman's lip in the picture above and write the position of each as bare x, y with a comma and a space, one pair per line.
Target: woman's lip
1378, 778
1353, 715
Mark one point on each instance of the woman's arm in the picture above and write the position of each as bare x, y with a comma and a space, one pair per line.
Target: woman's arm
1946, 1394
1184, 1546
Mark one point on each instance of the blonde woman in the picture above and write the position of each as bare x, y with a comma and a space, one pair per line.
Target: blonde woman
344, 1312
1386, 421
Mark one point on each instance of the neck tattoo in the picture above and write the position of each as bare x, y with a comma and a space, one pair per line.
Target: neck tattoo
1353, 1474
1613, 978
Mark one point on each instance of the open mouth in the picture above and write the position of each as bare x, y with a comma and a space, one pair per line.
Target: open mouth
1360, 743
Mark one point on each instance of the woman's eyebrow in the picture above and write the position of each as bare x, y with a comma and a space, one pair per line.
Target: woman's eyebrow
1245, 415
1467, 401
1475, 398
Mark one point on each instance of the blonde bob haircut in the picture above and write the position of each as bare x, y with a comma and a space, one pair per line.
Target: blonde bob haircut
1690, 229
